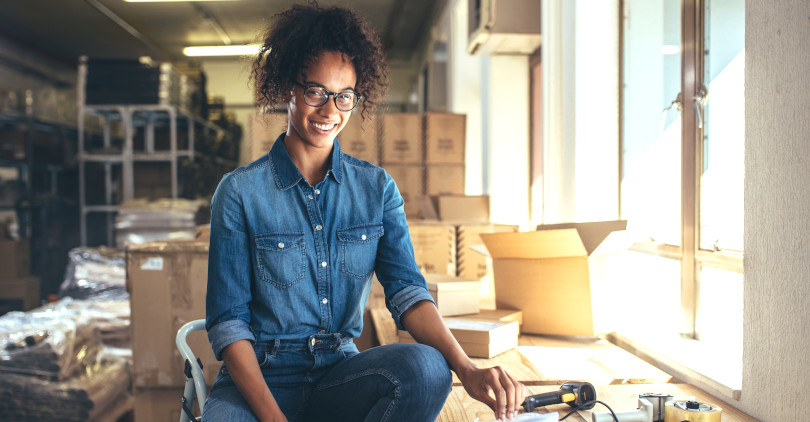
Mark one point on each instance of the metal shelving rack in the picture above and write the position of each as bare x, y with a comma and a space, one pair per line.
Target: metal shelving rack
131, 117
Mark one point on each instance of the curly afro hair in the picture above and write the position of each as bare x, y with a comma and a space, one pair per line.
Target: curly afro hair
298, 35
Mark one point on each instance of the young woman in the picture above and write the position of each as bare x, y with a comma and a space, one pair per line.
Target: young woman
295, 239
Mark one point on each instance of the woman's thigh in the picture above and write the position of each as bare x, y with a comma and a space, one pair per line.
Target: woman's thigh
396, 382
225, 402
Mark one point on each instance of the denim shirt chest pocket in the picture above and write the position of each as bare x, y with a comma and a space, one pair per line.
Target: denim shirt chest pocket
281, 258
358, 249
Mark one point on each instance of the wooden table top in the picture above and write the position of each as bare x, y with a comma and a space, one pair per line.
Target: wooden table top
460, 407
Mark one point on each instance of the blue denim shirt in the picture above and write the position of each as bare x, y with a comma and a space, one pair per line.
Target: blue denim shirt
288, 260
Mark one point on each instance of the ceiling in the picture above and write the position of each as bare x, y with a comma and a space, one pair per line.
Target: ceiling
66, 29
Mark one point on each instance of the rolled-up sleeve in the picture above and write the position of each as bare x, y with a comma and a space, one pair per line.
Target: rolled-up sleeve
395, 266
228, 295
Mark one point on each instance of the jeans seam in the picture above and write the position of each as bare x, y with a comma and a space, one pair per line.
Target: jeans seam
353, 377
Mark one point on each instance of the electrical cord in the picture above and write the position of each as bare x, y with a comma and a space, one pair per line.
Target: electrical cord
615, 418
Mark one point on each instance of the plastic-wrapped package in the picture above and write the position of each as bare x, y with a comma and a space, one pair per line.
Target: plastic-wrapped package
95, 273
85, 397
139, 221
61, 339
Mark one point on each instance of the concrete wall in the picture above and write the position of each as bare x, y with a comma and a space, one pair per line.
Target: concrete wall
776, 359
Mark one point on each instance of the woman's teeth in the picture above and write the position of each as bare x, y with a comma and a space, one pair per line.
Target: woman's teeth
323, 126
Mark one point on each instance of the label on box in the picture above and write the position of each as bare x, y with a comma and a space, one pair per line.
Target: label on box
154, 263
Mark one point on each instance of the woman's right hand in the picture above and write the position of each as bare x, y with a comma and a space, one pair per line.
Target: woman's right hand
240, 359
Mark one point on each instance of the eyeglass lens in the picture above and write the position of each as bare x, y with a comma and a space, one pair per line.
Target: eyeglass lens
317, 96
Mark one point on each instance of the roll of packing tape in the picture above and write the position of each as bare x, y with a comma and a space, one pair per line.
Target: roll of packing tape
691, 411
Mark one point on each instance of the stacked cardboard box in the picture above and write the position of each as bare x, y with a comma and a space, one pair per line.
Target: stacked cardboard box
402, 156
445, 138
360, 138
263, 129
19, 291
434, 246
167, 284
479, 337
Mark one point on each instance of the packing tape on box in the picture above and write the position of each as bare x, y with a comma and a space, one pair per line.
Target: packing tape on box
679, 411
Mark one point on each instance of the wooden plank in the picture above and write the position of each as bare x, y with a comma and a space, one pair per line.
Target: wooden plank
461, 407
587, 359
516, 364
384, 326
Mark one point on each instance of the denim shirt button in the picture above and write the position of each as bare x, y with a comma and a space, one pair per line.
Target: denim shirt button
363, 237
317, 191
318, 227
281, 245
324, 301
323, 264
310, 196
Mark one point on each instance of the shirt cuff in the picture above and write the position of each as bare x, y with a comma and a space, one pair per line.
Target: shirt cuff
404, 299
227, 332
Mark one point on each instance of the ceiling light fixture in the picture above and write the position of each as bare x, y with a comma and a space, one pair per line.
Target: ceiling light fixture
168, 1
222, 50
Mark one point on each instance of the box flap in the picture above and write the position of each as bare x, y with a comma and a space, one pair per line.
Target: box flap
591, 233
533, 245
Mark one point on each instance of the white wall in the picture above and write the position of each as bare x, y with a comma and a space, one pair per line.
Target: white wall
776, 329
580, 110
465, 97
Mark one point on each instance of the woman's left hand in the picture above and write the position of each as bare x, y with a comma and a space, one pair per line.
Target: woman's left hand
508, 393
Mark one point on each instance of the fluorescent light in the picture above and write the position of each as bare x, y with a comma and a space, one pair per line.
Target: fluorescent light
167, 1
668, 49
222, 50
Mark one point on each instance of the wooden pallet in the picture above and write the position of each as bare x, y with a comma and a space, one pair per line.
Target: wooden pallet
460, 407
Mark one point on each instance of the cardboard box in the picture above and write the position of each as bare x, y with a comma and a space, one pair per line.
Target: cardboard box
19, 294
471, 264
410, 180
444, 179
203, 233
453, 295
478, 338
445, 138
167, 283
457, 208
545, 273
434, 246
401, 139
360, 139
499, 315
159, 404
15, 258
264, 129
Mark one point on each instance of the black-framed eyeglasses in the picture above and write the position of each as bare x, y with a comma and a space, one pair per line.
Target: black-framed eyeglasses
316, 96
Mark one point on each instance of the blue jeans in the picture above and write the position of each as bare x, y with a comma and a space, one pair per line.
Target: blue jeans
326, 379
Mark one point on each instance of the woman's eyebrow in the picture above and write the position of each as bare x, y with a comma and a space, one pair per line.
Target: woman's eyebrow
312, 83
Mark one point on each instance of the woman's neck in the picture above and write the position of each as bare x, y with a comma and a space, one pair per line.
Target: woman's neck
312, 162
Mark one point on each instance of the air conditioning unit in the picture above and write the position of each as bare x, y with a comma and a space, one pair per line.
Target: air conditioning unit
503, 26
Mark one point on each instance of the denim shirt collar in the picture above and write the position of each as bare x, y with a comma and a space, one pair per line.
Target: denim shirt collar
286, 173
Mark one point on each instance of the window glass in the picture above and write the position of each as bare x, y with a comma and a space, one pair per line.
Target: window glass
721, 192
651, 124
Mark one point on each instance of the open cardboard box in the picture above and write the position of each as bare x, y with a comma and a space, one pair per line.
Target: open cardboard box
550, 273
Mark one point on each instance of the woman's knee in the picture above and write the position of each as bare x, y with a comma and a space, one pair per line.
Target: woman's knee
426, 368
